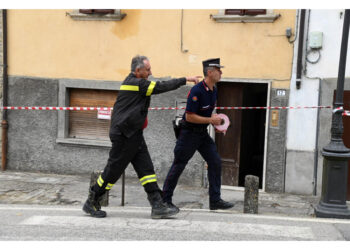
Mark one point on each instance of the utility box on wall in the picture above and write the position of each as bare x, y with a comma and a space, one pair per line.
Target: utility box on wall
316, 38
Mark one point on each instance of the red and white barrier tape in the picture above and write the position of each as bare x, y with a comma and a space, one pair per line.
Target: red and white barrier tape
154, 108
57, 108
339, 109
297, 107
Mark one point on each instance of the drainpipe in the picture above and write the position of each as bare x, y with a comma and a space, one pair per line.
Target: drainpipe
182, 31
300, 48
4, 123
316, 139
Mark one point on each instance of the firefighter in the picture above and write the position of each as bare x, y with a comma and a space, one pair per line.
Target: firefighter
129, 118
193, 136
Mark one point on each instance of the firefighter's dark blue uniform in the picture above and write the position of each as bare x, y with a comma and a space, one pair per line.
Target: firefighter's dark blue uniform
201, 101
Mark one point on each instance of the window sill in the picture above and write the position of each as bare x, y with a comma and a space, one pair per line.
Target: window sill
117, 16
84, 142
268, 18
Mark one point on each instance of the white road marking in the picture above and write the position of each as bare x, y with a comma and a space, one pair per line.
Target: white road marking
229, 227
234, 214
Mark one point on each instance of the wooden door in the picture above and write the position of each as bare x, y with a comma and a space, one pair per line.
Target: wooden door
346, 134
230, 95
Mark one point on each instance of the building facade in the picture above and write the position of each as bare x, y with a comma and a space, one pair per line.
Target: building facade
75, 58
309, 130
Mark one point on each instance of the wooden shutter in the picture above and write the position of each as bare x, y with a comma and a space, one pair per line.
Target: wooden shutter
96, 11
234, 12
247, 12
86, 11
251, 12
84, 124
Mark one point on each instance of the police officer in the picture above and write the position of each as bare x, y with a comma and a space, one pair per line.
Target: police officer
129, 118
193, 136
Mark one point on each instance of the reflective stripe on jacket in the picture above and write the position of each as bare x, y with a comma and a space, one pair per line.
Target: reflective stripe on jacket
134, 97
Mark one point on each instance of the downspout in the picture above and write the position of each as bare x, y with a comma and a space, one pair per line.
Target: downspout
182, 31
300, 48
316, 139
4, 123
314, 192
318, 110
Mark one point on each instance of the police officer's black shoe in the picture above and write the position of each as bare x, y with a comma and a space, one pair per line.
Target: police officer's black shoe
92, 205
160, 210
171, 205
220, 204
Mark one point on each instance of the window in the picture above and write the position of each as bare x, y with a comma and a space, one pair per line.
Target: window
84, 127
245, 16
245, 12
96, 11
96, 15
85, 124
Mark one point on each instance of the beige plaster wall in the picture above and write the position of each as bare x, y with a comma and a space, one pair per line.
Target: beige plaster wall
49, 43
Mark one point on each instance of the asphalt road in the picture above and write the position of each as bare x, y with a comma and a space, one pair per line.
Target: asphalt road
69, 223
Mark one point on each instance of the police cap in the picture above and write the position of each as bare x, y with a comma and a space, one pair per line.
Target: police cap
215, 62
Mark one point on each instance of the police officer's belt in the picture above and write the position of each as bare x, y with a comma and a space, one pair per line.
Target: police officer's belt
194, 128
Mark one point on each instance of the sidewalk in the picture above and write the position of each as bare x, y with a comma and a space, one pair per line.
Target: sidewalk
53, 189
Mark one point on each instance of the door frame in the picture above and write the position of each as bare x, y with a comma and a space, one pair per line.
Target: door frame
212, 132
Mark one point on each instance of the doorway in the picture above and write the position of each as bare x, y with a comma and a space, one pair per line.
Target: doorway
242, 148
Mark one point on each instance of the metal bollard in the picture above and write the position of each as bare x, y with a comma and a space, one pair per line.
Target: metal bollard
251, 194
94, 176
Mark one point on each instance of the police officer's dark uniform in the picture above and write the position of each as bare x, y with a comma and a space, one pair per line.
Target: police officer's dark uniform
201, 101
129, 117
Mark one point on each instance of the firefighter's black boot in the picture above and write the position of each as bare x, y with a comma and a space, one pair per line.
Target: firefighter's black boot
160, 210
92, 205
